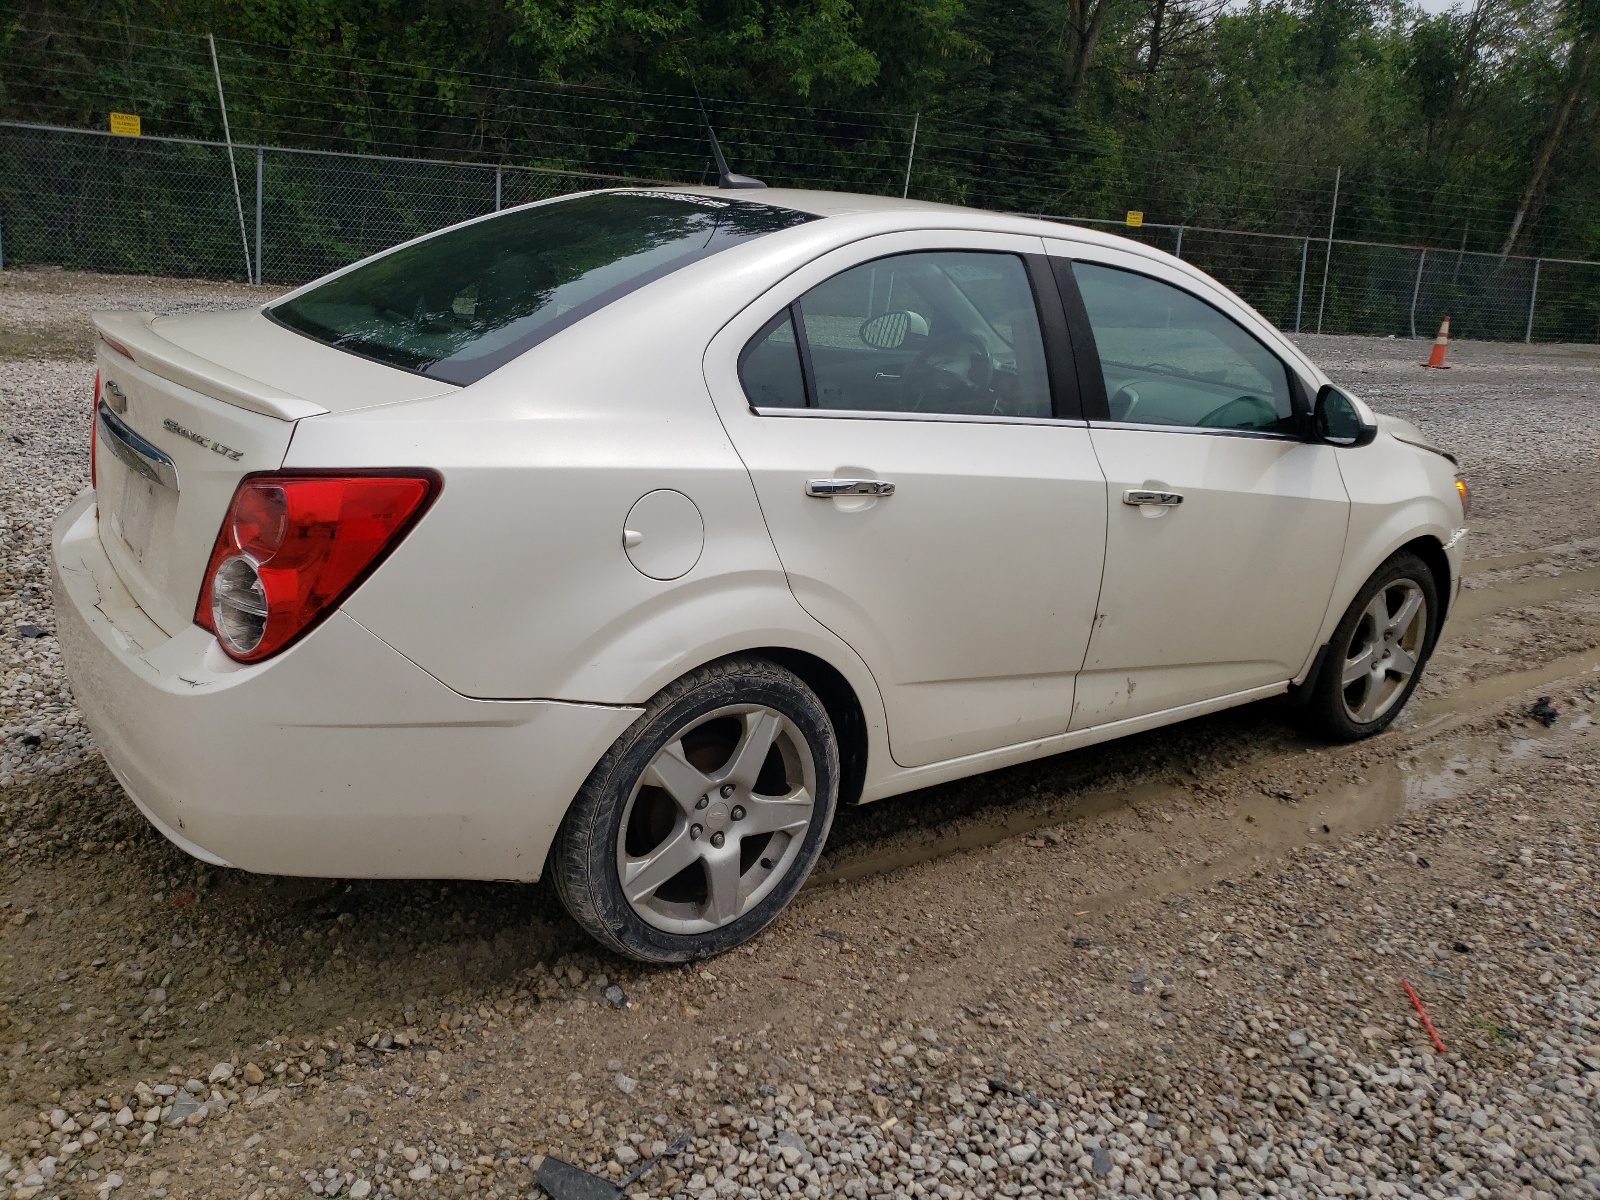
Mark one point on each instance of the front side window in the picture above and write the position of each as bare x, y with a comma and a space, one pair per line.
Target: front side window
944, 332
458, 305
1169, 358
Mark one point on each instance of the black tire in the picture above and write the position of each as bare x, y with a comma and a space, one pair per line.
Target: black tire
1335, 709
690, 715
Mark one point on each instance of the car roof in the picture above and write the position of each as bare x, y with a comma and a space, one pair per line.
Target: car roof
924, 213
823, 204
858, 204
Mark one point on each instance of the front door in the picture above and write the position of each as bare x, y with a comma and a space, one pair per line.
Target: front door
894, 405
1225, 527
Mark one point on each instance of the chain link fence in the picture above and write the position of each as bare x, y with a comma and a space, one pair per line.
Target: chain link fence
165, 206
1314, 285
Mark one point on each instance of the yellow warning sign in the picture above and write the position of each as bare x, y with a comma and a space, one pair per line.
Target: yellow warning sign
1135, 218
127, 124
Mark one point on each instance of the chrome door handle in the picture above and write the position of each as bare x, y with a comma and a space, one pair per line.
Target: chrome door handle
134, 450
827, 488
1140, 497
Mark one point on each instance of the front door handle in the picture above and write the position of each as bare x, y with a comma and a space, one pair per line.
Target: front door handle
1140, 497
826, 489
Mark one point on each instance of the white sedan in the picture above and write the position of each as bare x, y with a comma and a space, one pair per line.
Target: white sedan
625, 536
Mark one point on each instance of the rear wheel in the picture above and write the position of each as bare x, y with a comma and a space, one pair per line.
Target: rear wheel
704, 818
1375, 659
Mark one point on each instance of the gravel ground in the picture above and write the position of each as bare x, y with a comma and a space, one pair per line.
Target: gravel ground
1519, 418
1170, 966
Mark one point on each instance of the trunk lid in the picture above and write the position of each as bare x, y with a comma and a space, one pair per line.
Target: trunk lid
176, 429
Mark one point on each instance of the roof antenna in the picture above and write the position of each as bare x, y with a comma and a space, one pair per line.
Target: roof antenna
725, 177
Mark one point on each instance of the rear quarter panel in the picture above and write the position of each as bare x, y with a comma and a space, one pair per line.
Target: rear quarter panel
516, 584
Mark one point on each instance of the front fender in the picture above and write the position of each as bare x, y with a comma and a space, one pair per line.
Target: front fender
1398, 494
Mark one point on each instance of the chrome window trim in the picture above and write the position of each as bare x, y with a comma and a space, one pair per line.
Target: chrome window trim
1244, 433
859, 414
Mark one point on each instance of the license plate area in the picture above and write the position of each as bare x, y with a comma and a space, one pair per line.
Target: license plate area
137, 523
134, 515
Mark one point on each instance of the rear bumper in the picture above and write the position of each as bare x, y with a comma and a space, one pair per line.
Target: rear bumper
338, 758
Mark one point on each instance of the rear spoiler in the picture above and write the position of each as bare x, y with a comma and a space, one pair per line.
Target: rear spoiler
131, 334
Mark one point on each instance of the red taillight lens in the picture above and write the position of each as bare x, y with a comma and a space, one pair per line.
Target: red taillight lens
294, 545
94, 433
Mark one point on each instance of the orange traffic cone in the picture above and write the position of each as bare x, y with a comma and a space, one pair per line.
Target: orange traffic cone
1436, 358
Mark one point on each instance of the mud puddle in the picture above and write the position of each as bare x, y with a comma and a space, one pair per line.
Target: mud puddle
1504, 562
1497, 689
1260, 819
1476, 603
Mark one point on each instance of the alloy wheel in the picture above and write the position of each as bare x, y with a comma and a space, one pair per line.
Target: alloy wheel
1384, 651
717, 820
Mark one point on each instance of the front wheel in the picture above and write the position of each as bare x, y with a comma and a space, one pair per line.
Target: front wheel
704, 817
1375, 659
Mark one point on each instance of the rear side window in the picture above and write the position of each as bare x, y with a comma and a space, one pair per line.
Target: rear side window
458, 305
770, 367
948, 332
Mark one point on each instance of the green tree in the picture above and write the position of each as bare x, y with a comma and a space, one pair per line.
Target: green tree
1476, 128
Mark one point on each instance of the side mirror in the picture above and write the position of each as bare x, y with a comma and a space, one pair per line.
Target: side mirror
889, 330
1337, 421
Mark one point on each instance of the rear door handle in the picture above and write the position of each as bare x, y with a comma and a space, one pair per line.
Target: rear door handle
1140, 497
827, 488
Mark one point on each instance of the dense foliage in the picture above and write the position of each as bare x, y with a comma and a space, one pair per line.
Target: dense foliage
1477, 127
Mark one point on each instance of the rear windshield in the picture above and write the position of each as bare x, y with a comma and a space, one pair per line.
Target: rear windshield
456, 306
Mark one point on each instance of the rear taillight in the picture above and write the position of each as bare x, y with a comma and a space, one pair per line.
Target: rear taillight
295, 544
94, 432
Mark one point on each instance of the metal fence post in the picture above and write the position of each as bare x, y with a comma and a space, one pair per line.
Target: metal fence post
260, 154
1177, 251
498, 172
1300, 296
233, 167
1533, 298
911, 155
1416, 288
1333, 214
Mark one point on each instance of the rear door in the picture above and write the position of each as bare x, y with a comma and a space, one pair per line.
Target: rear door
907, 409
1225, 525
